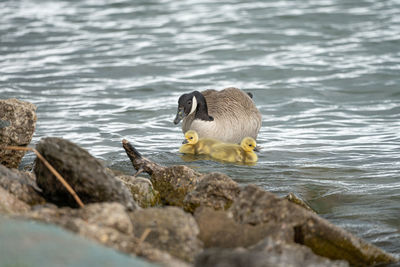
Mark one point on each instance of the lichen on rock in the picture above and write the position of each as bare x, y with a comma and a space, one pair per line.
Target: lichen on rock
174, 183
17, 125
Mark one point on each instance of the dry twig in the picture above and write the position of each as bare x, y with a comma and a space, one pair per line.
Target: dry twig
145, 233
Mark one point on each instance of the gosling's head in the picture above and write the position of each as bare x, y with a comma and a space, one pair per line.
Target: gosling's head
191, 137
248, 144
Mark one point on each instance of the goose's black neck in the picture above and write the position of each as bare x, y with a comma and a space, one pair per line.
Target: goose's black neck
201, 109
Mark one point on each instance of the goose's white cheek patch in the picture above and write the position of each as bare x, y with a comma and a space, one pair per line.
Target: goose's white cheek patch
194, 105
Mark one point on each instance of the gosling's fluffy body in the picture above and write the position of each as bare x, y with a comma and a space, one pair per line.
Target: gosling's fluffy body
194, 145
187, 149
243, 153
228, 115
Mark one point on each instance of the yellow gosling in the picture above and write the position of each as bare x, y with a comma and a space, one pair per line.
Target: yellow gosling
188, 145
236, 153
194, 145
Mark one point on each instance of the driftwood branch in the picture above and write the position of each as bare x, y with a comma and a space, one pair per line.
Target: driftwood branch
51, 169
138, 161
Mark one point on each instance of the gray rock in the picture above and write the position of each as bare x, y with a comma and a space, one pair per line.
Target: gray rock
9, 204
171, 229
85, 174
293, 254
17, 125
256, 206
266, 254
107, 214
111, 214
215, 190
174, 183
218, 229
21, 185
142, 191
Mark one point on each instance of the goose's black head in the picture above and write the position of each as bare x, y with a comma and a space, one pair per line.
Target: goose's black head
193, 102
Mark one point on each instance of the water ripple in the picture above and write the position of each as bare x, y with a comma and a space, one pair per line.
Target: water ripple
323, 73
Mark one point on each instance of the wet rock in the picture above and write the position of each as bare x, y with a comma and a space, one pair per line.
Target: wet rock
142, 191
21, 184
296, 200
219, 229
215, 190
256, 206
9, 204
17, 125
85, 174
174, 183
171, 229
106, 223
266, 253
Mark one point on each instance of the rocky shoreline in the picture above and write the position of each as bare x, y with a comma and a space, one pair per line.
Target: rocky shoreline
176, 217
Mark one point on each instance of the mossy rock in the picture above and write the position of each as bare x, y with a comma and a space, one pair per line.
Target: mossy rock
174, 183
142, 191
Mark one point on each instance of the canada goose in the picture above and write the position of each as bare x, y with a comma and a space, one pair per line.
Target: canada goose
236, 153
193, 145
228, 115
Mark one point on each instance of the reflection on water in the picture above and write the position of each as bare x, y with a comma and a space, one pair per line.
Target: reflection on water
192, 158
325, 75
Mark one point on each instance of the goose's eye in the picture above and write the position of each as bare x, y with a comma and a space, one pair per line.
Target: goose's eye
250, 145
191, 137
189, 102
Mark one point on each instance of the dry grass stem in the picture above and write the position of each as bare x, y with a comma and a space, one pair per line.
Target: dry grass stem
145, 233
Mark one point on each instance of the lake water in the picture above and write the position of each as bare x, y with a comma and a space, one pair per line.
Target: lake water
324, 74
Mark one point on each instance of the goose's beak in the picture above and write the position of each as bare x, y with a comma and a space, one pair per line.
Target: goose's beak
185, 141
257, 149
179, 116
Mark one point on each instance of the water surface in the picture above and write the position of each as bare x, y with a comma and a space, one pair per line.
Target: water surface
324, 74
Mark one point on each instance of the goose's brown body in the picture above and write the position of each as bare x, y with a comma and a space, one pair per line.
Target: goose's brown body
234, 113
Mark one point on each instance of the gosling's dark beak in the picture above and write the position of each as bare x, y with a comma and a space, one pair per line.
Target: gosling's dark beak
179, 116
185, 141
257, 149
